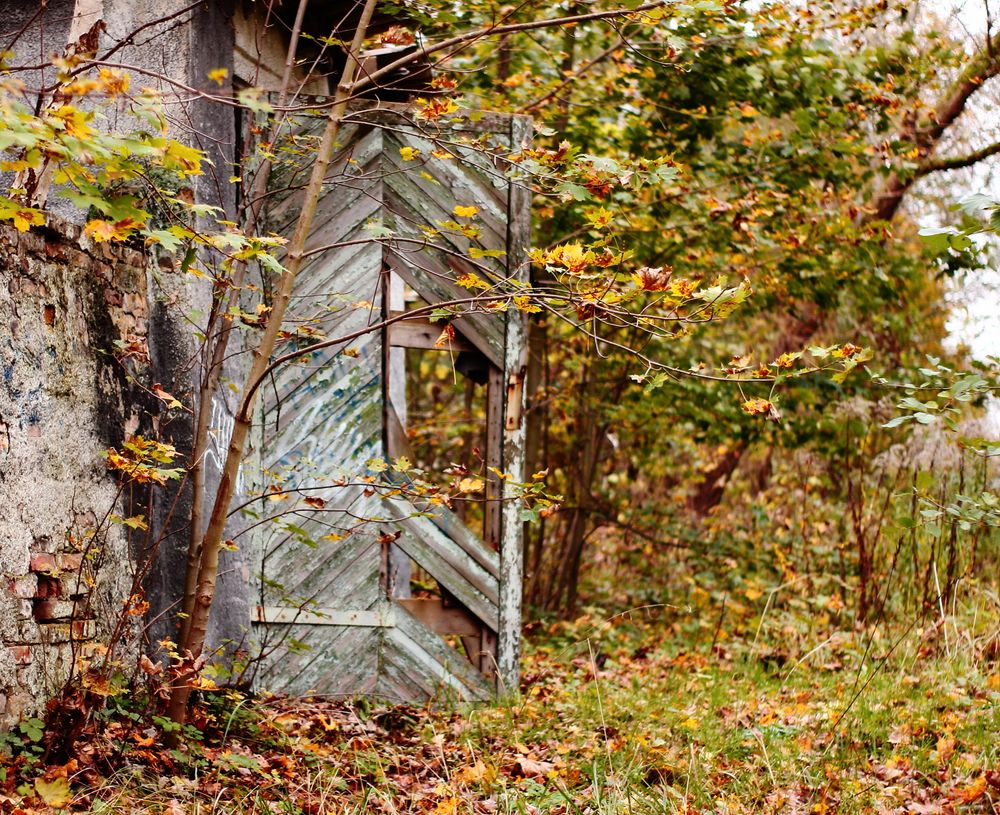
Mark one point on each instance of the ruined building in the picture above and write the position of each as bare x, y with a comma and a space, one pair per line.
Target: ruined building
357, 591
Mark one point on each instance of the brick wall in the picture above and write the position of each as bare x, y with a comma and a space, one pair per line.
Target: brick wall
73, 322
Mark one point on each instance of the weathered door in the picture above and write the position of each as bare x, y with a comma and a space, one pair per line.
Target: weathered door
334, 611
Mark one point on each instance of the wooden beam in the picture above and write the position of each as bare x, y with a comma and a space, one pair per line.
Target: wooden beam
363, 618
443, 619
495, 396
418, 333
515, 368
397, 442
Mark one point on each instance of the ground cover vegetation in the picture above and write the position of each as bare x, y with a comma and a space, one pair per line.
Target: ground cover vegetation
812, 559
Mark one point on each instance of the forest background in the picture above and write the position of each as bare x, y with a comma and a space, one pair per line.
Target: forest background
764, 524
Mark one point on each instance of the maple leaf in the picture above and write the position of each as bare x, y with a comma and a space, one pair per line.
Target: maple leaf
72, 121
755, 407
527, 767
23, 217
465, 212
435, 108
54, 793
471, 281
469, 485
524, 303
653, 278
975, 790
101, 231
113, 82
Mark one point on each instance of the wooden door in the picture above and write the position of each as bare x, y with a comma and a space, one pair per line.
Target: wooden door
331, 615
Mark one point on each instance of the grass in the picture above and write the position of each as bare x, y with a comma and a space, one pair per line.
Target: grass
629, 716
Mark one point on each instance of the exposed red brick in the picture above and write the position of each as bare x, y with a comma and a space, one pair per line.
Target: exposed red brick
49, 609
22, 654
43, 562
69, 561
48, 586
24, 587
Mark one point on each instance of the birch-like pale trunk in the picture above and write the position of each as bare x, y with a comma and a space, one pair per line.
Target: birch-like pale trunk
211, 545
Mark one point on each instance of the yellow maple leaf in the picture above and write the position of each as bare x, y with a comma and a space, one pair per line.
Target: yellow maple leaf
465, 212
526, 304
72, 121
471, 281
447, 806
24, 218
975, 790
180, 157
54, 793
757, 407
218, 75
113, 83
101, 231
599, 217
408, 153
470, 485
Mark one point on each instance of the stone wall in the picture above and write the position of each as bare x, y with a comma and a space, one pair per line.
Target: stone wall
73, 322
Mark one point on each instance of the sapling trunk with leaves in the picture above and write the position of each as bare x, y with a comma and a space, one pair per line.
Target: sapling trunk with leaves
214, 536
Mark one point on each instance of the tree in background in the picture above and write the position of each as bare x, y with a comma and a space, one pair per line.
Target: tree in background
797, 132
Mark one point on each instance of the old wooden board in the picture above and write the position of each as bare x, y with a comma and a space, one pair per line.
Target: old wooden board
328, 618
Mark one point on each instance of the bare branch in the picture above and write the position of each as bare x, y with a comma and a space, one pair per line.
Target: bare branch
494, 30
957, 162
926, 134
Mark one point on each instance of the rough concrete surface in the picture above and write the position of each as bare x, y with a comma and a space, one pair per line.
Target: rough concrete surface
62, 402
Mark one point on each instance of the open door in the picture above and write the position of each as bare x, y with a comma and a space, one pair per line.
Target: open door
360, 592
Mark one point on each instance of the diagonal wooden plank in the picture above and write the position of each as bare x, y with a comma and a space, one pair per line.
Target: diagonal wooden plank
447, 562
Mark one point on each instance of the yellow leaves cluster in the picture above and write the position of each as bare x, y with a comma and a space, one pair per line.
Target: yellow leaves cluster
524, 303
113, 82
138, 458
470, 231
435, 108
786, 360
470, 281
757, 407
24, 217
471, 485
109, 81
575, 259
72, 121
571, 256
